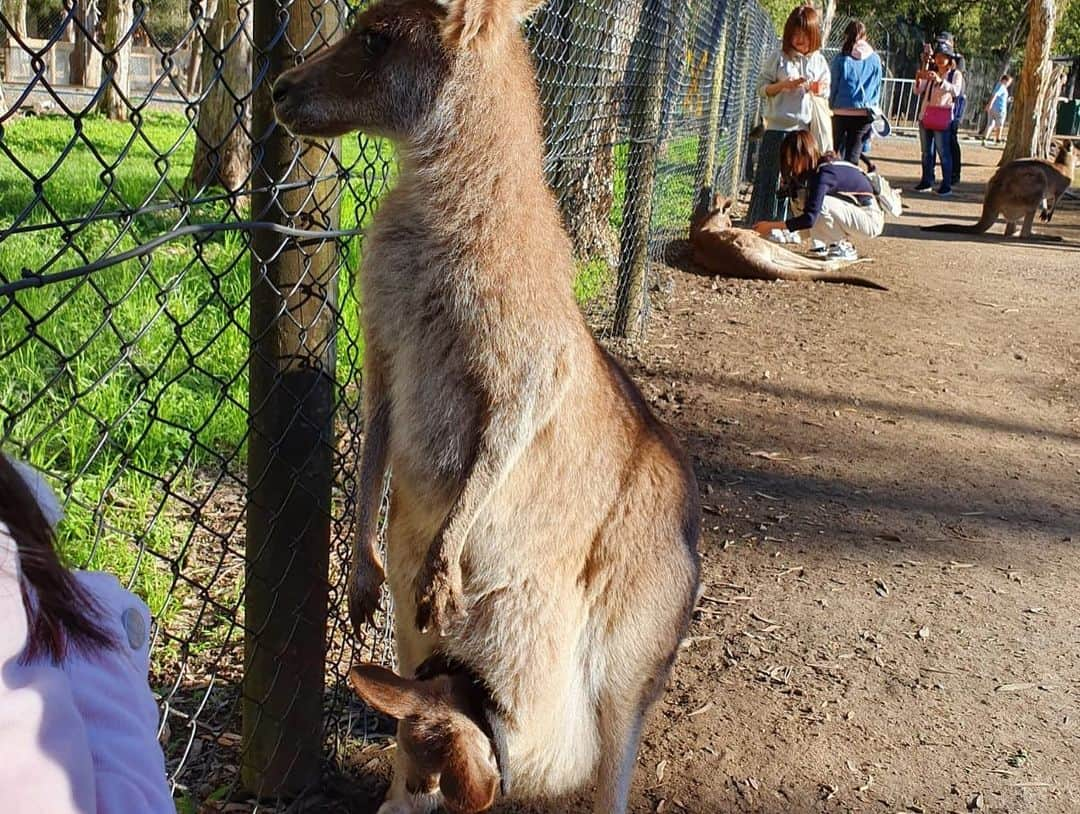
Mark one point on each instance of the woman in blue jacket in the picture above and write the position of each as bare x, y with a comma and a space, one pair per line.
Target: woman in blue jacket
856, 92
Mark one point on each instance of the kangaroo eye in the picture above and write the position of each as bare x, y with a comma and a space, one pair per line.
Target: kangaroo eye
375, 44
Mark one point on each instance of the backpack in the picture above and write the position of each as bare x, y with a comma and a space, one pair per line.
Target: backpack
960, 105
888, 198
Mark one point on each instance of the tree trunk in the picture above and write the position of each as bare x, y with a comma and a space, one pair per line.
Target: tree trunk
194, 67
1030, 123
223, 144
117, 62
828, 16
85, 63
15, 13
579, 84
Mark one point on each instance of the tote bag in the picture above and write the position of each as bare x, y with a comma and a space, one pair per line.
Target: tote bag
821, 123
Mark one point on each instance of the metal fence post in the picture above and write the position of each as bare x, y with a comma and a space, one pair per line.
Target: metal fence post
290, 469
647, 58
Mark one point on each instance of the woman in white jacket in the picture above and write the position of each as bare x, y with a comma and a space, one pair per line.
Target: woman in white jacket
788, 82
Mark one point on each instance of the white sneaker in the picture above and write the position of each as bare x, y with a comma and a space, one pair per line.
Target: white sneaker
842, 251
819, 248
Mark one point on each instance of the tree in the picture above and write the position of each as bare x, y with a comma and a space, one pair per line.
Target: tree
581, 106
117, 60
222, 130
1032, 116
15, 13
85, 60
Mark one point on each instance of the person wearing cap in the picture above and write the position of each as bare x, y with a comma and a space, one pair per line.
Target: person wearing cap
938, 89
958, 72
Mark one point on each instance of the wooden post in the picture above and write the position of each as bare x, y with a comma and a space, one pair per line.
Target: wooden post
290, 462
710, 135
647, 59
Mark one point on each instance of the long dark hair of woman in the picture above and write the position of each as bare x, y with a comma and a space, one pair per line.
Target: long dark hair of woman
59, 612
854, 32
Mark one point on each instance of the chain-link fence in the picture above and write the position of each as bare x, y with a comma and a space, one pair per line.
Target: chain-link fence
179, 341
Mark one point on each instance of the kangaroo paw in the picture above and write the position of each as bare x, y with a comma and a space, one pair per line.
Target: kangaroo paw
438, 598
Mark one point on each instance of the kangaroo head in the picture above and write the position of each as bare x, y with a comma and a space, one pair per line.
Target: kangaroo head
388, 73
437, 732
714, 217
1066, 154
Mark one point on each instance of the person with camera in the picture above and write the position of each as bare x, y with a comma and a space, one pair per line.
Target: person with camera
856, 92
938, 85
790, 80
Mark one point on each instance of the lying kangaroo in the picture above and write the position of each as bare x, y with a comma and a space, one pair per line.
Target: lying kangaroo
742, 253
543, 524
1020, 189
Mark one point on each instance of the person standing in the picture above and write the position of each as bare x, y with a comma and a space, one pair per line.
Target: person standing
788, 82
997, 110
856, 92
938, 86
959, 70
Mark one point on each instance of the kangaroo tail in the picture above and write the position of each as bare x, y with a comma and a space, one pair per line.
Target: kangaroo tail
826, 277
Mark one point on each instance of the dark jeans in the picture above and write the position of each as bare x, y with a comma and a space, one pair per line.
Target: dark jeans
849, 133
954, 147
935, 144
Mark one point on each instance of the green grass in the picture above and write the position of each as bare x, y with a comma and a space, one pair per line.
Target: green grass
100, 386
97, 383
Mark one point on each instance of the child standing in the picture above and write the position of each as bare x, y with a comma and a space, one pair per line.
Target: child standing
791, 77
997, 109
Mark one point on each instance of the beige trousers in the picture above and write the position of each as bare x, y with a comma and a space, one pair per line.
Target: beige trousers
840, 220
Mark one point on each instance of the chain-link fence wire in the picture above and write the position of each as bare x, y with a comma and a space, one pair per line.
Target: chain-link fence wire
179, 340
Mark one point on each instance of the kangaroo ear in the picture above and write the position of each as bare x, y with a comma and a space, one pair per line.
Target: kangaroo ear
475, 21
470, 779
725, 204
388, 692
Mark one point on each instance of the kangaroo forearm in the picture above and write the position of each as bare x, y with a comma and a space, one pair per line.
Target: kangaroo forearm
373, 462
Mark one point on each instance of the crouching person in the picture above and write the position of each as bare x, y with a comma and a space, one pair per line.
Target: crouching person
832, 201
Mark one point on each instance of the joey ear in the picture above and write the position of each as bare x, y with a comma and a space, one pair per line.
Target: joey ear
388, 692
469, 780
726, 204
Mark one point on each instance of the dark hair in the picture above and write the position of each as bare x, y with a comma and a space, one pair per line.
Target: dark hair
807, 20
799, 157
854, 32
1005, 78
59, 612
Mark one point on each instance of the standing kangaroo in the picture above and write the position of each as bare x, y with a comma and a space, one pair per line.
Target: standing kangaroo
1017, 191
543, 524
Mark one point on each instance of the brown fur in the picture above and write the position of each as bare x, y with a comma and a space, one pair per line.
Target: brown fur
744, 254
543, 524
1018, 191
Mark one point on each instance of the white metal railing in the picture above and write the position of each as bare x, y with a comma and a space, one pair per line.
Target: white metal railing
900, 103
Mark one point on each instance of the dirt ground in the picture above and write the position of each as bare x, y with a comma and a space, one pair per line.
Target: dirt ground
891, 550
891, 619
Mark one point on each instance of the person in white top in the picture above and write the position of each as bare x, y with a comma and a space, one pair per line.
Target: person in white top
78, 722
789, 80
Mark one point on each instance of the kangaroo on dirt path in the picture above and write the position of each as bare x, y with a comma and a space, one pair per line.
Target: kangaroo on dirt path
745, 255
542, 538
1017, 191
